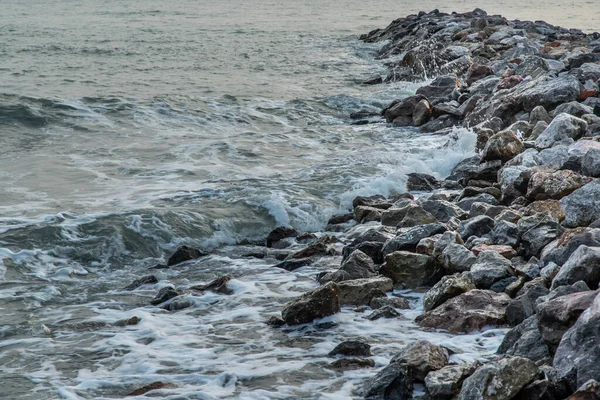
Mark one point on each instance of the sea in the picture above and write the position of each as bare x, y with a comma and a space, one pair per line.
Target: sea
129, 128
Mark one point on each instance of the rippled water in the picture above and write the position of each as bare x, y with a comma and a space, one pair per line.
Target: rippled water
131, 127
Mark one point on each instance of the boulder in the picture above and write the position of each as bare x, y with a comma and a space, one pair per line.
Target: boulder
457, 258
549, 207
538, 114
164, 294
377, 201
590, 390
184, 253
348, 364
422, 357
561, 249
477, 226
490, 268
582, 265
420, 181
445, 383
357, 265
499, 380
545, 230
448, 287
145, 280
392, 382
358, 292
408, 240
590, 164
554, 185
505, 233
351, 348
395, 214
318, 303
577, 357
563, 127
503, 146
525, 305
364, 214
393, 301
525, 340
279, 233
384, 312
581, 207
410, 270
468, 312
417, 216
421, 113
558, 315
467, 202
402, 108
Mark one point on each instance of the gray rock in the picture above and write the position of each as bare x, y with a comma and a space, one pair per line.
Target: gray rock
351, 348
525, 340
402, 108
563, 126
384, 312
442, 210
477, 226
318, 303
537, 130
392, 382
281, 232
357, 292
545, 231
164, 294
503, 146
525, 305
392, 301
582, 265
347, 364
410, 270
457, 258
447, 238
499, 380
409, 239
445, 383
467, 202
357, 265
422, 357
538, 114
590, 164
568, 243
468, 312
448, 287
574, 108
416, 216
490, 268
513, 181
394, 215
505, 233
364, 214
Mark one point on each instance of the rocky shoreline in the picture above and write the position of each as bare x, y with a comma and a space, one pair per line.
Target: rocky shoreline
510, 239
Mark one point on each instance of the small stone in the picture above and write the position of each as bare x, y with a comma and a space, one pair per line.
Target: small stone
146, 280
384, 312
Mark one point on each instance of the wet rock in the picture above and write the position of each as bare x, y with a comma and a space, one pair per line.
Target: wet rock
318, 303
357, 265
525, 340
184, 253
361, 291
513, 181
145, 280
581, 207
554, 185
218, 285
477, 226
402, 108
164, 294
410, 270
542, 389
503, 146
499, 380
281, 232
384, 312
421, 113
393, 301
364, 214
448, 287
445, 383
440, 88
292, 265
467, 202
563, 127
317, 248
417, 216
394, 215
128, 322
179, 303
582, 265
490, 268
422, 357
577, 358
420, 181
558, 315
471, 169
376, 201
477, 71
152, 386
340, 218
409, 239
442, 210
347, 364
352, 348
275, 322
468, 312
392, 382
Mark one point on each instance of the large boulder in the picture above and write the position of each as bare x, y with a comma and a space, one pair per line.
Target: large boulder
582, 207
395, 214
408, 240
468, 312
562, 128
545, 185
422, 357
577, 358
448, 287
477, 226
392, 382
499, 380
525, 340
558, 315
358, 292
318, 303
445, 383
457, 258
410, 270
503, 146
490, 268
402, 108
442, 210
357, 265
582, 265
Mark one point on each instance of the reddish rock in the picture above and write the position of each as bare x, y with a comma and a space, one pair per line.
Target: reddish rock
510, 82
503, 250
585, 93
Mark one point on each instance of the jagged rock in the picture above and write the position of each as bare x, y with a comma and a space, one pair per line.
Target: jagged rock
317, 248
393, 301
539, 114
447, 238
445, 383
417, 216
364, 214
489, 268
550, 207
318, 303
164, 294
574, 108
577, 358
554, 185
448, 287
457, 258
392, 382
421, 113
541, 389
468, 202
513, 181
218, 285
499, 380
563, 127
590, 164
361, 291
525, 340
420, 181
422, 357
279, 233
357, 265
561, 249
590, 390
152, 386
410, 270
468, 312
477, 226
505, 233
402, 108
503, 146
394, 215
376, 201
347, 364
558, 315
184, 253
545, 230
409, 239
477, 71
145, 280
505, 251
537, 130
582, 265
179, 303
292, 265
440, 88
352, 348
384, 312
577, 287
581, 207
471, 169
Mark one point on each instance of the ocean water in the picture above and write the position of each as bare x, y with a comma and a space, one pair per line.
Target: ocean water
132, 127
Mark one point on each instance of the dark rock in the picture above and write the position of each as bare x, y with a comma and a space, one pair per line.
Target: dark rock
420, 181
422, 357
146, 280
457, 258
442, 210
364, 214
362, 291
218, 285
468, 312
152, 386
357, 265
184, 253
275, 322
477, 226
445, 383
164, 294
448, 287
384, 312
318, 303
352, 348
376, 201
347, 364
421, 113
563, 127
525, 340
582, 265
590, 390
409, 239
393, 301
467, 202
279, 233
402, 108
503, 146
292, 265
525, 304
410, 270
478, 71
340, 218
581, 207
393, 382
